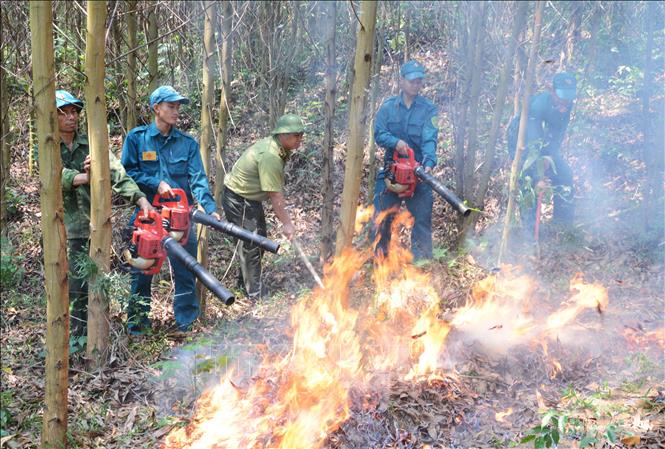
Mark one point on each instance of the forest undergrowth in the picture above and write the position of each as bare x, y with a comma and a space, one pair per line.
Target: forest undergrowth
609, 393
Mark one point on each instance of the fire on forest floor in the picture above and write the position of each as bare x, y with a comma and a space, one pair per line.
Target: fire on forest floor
392, 371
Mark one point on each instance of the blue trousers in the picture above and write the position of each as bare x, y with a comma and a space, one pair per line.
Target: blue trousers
185, 303
564, 193
419, 206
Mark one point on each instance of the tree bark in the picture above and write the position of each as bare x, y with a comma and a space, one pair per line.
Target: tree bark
327, 182
151, 37
521, 136
478, 199
472, 100
572, 35
100, 185
357, 124
374, 96
207, 104
54, 431
132, 43
224, 108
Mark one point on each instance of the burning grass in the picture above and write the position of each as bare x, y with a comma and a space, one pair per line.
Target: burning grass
357, 358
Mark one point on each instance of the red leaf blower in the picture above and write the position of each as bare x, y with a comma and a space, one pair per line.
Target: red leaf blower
405, 172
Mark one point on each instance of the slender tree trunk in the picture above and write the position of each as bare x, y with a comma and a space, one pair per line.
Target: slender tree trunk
572, 35
466, 56
521, 136
31, 133
327, 183
473, 99
100, 185
4, 138
132, 43
207, 105
151, 36
520, 63
54, 431
225, 64
120, 74
376, 83
478, 199
357, 124
408, 50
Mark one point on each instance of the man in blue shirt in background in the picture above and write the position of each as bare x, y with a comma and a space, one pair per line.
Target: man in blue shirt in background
549, 115
403, 121
159, 158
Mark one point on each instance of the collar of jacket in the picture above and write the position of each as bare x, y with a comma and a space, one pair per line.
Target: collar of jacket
154, 131
400, 99
283, 152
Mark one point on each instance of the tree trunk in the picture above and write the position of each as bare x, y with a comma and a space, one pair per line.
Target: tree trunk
521, 136
472, 100
520, 62
376, 83
4, 139
357, 124
465, 51
54, 431
100, 185
151, 37
572, 35
225, 64
327, 169
119, 73
132, 43
207, 105
478, 199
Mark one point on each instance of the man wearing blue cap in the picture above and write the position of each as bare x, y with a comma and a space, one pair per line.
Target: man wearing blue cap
407, 120
160, 157
75, 179
549, 114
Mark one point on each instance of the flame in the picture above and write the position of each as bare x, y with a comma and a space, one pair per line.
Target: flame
341, 343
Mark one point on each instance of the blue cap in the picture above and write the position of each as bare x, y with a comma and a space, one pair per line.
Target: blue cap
64, 98
565, 86
166, 93
411, 70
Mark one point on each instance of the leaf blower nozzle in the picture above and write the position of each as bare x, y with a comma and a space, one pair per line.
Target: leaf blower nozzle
442, 190
175, 249
234, 231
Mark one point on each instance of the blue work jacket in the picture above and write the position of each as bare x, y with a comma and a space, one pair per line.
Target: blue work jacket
417, 126
545, 128
149, 158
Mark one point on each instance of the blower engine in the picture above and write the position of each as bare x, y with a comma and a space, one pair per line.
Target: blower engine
163, 233
404, 173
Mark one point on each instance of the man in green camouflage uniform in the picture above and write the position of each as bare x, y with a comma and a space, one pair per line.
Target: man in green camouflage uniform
256, 176
76, 199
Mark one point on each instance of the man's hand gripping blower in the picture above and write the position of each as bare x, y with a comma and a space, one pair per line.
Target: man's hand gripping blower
404, 173
163, 233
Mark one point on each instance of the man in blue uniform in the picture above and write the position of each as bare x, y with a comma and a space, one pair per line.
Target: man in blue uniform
159, 158
403, 121
549, 114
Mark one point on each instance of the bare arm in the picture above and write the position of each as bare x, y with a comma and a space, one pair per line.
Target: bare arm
278, 205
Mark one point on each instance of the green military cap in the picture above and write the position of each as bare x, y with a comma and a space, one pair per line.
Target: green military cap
289, 123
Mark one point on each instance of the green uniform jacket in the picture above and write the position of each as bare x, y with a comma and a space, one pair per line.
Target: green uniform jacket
76, 200
259, 170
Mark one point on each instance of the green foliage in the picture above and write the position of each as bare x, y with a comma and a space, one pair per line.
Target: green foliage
11, 269
13, 199
627, 80
6, 418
